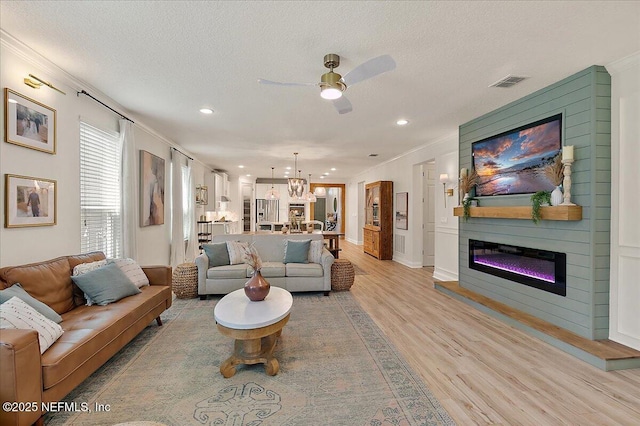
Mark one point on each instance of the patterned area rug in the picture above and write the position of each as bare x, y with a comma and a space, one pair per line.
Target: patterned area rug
336, 368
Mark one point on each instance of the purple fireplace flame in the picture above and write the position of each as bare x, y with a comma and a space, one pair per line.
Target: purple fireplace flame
541, 269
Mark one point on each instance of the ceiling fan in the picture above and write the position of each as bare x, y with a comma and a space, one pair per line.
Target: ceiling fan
332, 85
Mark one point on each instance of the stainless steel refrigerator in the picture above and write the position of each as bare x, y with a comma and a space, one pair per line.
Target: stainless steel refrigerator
267, 210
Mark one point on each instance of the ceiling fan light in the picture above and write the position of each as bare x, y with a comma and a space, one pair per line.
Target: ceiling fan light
330, 93
330, 86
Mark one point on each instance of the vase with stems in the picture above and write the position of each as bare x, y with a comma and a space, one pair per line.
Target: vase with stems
257, 288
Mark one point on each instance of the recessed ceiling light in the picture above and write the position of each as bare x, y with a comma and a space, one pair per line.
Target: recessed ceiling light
326, 174
288, 168
241, 166
333, 169
286, 173
373, 155
321, 177
402, 122
248, 175
206, 110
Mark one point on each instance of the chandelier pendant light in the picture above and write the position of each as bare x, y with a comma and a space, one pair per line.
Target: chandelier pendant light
310, 196
295, 185
272, 194
320, 191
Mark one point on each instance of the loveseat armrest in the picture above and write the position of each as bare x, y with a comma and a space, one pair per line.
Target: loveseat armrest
20, 376
327, 260
202, 262
158, 275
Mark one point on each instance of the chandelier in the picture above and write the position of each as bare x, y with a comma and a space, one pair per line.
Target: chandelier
310, 196
295, 185
272, 194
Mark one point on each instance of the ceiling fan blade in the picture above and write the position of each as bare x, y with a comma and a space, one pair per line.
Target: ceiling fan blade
277, 83
342, 105
371, 68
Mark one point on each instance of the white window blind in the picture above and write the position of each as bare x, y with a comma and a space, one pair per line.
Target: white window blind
100, 171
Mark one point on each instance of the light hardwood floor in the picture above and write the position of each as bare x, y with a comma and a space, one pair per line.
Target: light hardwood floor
481, 370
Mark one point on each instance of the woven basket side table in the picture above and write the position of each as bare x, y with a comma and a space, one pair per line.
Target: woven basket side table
185, 281
342, 275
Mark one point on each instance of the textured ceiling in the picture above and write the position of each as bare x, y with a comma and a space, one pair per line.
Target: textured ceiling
164, 60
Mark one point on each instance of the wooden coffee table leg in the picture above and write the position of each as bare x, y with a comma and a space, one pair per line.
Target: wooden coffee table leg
253, 351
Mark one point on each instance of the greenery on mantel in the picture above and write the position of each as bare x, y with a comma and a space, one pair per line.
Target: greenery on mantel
466, 207
539, 199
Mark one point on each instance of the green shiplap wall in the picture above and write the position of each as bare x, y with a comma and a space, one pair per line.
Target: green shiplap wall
584, 99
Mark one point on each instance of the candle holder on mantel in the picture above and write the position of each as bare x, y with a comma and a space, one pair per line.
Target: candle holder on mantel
566, 183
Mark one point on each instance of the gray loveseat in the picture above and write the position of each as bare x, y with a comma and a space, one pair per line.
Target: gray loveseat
271, 248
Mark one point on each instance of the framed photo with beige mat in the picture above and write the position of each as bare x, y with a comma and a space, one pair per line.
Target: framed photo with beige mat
29, 201
29, 123
402, 208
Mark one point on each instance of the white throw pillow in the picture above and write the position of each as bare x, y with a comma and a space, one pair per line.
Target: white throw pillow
132, 270
236, 251
315, 251
83, 268
16, 314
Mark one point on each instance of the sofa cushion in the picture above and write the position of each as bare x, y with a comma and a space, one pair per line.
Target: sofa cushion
315, 251
18, 315
17, 291
304, 270
132, 270
106, 285
237, 251
82, 269
296, 251
217, 253
48, 282
90, 333
269, 270
228, 271
75, 260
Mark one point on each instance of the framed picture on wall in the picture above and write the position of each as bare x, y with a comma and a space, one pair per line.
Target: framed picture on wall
29, 123
29, 201
151, 189
402, 205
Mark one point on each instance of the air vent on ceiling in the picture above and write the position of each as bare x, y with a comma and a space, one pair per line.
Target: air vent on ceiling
508, 81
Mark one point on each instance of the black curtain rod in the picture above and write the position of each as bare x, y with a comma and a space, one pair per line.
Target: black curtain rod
175, 149
83, 92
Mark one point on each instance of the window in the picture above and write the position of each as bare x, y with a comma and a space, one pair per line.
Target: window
100, 171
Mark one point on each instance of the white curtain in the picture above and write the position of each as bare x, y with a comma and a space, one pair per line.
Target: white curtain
177, 232
129, 190
192, 243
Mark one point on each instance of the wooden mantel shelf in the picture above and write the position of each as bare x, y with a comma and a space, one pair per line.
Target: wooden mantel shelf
523, 212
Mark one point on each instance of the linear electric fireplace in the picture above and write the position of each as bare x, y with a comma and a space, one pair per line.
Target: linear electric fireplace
541, 269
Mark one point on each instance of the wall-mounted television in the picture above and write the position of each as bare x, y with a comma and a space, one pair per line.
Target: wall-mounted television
513, 162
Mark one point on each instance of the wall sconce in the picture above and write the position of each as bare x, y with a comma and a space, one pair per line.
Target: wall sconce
36, 83
444, 178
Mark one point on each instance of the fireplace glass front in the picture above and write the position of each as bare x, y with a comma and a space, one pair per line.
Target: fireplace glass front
542, 269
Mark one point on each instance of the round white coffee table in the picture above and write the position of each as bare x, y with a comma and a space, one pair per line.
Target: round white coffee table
255, 326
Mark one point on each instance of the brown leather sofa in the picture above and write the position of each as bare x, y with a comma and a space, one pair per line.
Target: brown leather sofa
92, 334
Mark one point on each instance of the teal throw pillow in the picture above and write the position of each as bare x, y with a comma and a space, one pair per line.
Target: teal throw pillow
106, 285
296, 251
17, 291
217, 253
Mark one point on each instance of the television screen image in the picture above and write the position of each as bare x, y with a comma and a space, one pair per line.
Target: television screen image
513, 162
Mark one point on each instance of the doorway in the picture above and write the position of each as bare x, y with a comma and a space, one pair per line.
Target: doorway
428, 214
247, 209
334, 205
